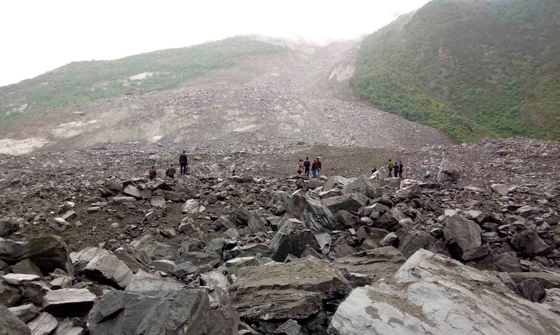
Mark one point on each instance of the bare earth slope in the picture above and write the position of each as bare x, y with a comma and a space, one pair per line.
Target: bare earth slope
267, 104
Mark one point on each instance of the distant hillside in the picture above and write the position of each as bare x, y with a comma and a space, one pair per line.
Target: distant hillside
472, 68
91, 80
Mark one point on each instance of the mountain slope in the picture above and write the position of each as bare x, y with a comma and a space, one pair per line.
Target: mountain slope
472, 68
80, 82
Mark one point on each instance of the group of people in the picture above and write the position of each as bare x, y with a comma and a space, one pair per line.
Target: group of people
305, 167
170, 172
396, 168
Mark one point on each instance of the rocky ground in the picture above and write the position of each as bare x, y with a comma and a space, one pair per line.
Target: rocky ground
467, 241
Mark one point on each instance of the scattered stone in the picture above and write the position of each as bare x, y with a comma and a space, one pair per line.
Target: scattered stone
110, 270
44, 324
148, 282
25, 312
69, 302
10, 324
530, 244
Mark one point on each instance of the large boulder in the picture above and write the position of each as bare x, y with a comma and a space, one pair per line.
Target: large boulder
11, 324
175, 312
9, 295
8, 227
336, 182
461, 234
277, 292
413, 241
348, 202
447, 172
365, 186
530, 244
219, 284
109, 270
313, 213
68, 302
48, 253
292, 238
433, 294
25, 312
44, 324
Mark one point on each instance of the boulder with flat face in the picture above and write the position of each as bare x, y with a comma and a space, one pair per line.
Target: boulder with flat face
109, 270
313, 213
148, 282
436, 295
461, 234
44, 324
349, 202
292, 239
25, 312
183, 311
68, 302
48, 253
281, 291
9, 295
374, 263
530, 244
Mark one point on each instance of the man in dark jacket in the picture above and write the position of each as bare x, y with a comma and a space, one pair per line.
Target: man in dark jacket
396, 169
400, 169
183, 162
307, 165
153, 173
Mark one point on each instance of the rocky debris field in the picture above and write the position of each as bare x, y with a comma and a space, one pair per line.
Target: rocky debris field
468, 242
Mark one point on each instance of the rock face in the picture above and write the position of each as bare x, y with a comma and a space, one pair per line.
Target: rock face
433, 294
461, 234
313, 213
530, 244
69, 302
110, 270
293, 238
11, 324
169, 312
295, 290
375, 263
48, 253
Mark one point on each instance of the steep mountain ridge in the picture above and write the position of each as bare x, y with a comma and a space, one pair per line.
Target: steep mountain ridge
268, 102
471, 68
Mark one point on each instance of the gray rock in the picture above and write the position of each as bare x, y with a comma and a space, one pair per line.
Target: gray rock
184, 269
220, 287
336, 182
389, 240
411, 302
157, 201
26, 267
168, 312
48, 253
233, 265
413, 241
447, 172
200, 258
123, 200
292, 238
374, 263
68, 302
186, 226
253, 249
135, 259
313, 213
530, 244
110, 270
501, 189
59, 224
476, 253
550, 280
163, 265
36, 291
19, 279
532, 289
350, 202
304, 284
133, 191
461, 234
67, 327
44, 324
7, 228
11, 324
25, 312
148, 282
290, 327
507, 262
193, 207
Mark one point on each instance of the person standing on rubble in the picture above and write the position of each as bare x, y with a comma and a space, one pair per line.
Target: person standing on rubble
183, 162
307, 165
390, 168
299, 167
319, 166
396, 168
400, 169
153, 173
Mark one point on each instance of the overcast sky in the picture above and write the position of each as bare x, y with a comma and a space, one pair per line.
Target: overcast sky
40, 35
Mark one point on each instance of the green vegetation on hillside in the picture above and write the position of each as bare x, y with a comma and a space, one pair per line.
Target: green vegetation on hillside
91, 80
470, 68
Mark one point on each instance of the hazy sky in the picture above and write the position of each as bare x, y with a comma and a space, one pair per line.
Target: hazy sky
40, 35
